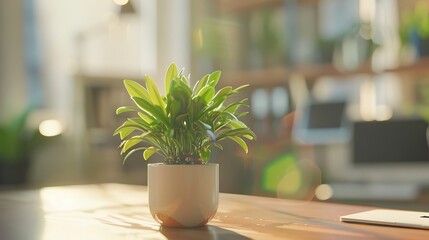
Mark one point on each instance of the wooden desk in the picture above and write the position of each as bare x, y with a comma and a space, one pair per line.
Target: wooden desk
114, 211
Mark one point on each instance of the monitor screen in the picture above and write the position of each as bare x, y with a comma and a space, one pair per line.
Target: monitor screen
394, 141
322, 123
326, 115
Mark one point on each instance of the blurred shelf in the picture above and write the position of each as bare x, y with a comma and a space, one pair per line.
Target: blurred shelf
420, 66
226, 6
279, 75
273, 76
256, 77
105, 80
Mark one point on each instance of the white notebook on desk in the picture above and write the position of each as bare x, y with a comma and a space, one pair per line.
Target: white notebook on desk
396, 218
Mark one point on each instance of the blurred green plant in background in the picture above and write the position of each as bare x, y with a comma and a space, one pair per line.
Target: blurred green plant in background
17, 142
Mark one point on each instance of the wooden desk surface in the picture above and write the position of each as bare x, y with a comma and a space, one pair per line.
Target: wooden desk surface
115, 211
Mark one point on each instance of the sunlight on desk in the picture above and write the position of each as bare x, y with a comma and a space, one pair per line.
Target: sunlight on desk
114, 211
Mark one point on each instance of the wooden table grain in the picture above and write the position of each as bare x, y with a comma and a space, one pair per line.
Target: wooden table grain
116, 211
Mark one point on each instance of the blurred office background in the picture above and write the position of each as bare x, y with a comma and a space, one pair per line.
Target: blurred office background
339, 94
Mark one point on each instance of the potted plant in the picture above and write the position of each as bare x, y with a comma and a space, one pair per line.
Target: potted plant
182, 127
414, 29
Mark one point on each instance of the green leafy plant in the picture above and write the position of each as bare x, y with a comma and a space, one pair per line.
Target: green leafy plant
16, 140
414, 22
186, 123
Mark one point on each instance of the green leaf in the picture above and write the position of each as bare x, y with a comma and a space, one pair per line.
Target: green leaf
240, 142
134, 89
178, 101
206, 94
170, 133
232, 108
175, 109
248, 137
205, 154
131, 152
125, 132
183, 88
128, 126
140, 137
126, 109
149, 152
242, 114
223, 92
241, 87
171, 73
234, 124
214, 78
218, 146
200, 84
153, 110
197, 107
140, 122
130, 143
236, 132
154, 94
147, 118
229, 115
185, 80
205, 125
220, 98
180, 74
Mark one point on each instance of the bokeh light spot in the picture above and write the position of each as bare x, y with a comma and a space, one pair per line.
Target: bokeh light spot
324, 192
50, 128
290, 183
275, 171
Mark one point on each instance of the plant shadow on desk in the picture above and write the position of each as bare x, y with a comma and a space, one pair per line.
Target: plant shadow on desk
146, 224
205, 232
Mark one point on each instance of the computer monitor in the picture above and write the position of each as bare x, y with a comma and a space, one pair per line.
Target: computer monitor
322, 123
390, 142
393, 151
383, 160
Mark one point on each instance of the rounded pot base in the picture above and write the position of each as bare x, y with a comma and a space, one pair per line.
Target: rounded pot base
183, 195
167, 221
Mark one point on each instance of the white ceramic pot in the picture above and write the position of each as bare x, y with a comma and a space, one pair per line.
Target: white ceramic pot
183, 195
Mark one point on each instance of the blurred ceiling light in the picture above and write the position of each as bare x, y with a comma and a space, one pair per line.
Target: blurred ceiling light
367, 10
50, 128
120, 2
324, 192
